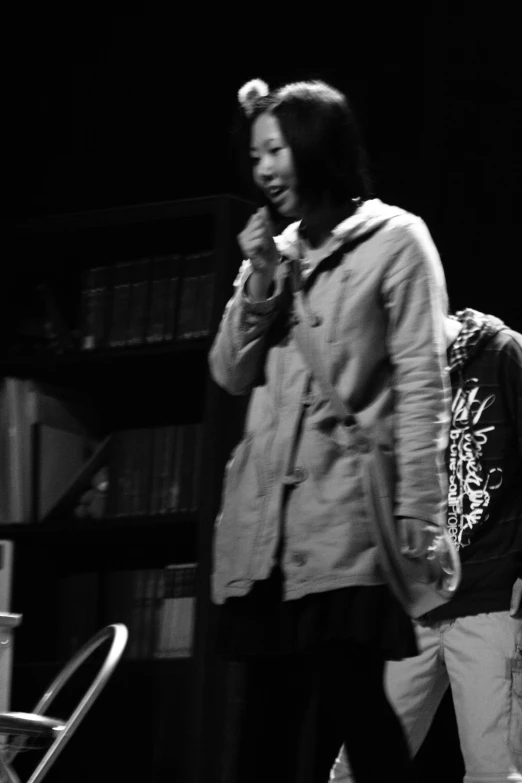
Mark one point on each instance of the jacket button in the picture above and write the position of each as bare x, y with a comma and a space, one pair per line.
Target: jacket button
364, 445
309, 399
316, 320
300, 474
299, 559
296, 476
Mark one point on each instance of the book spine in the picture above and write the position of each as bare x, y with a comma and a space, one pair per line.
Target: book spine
166, 467
139, 300
94, 306
171, 313
186, 328
148, 632
187, 467
197, 469
159, 438
205, 299
161, 273
176, 631
120, 305
145, 470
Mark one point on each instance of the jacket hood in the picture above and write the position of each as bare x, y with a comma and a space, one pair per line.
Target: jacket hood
367, 218
477, 329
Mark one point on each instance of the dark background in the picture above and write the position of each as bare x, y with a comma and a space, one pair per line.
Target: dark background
110, 110
104, 110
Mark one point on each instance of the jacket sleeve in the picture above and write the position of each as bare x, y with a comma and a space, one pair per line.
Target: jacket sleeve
416, 300
237, 355
511, 381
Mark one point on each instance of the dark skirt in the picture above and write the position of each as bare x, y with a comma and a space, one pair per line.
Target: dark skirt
261, 623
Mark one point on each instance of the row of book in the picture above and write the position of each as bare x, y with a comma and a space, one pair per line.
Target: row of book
156, 605
149, 471
147, 301
52, 464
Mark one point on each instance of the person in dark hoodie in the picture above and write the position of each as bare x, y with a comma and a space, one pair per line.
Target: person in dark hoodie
474, 642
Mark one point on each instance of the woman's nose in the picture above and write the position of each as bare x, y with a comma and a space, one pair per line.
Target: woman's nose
265, 168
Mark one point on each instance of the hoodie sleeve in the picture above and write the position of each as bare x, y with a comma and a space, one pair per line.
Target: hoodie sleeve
416, 300
237, 355
512, 382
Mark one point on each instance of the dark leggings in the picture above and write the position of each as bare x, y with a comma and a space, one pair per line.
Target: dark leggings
299, 709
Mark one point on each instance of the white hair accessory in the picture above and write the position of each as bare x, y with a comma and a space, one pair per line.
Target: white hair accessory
250, 93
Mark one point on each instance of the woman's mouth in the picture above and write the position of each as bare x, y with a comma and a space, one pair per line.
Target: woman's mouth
277, 194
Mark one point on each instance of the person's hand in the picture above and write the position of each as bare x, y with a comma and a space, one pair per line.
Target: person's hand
515, 610
415, 537
257, 244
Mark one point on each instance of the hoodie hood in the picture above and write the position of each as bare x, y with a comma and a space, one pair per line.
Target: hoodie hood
370, 216
367, 219
477, 329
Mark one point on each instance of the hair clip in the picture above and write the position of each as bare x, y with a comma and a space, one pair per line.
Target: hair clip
250, 93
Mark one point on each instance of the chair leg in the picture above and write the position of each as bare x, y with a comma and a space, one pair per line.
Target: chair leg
7, 775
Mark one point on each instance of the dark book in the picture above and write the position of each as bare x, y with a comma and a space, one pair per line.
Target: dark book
177, 613
172, 298
57, 330
163, 297
197, 469
187, 467
187, 313
120, 474
115, 450
94, 308
203, 268
169, 446
121, 299
127, 490
135, 470
195, 300
174, 480
205, 298
148, 629
146, 457
139, 301
158, 448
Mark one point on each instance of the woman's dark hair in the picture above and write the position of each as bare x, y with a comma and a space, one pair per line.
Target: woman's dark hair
320, 128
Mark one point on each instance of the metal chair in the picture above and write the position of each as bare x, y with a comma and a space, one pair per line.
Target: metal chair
23, 728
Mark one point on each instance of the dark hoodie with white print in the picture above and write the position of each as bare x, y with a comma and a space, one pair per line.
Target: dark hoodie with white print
484, 461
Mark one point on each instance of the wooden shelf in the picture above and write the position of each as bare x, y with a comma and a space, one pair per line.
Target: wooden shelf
59, 362
128, 663
131, 214
77, 526
77, 545
65, 568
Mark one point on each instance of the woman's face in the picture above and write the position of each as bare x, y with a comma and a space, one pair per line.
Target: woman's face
273, 166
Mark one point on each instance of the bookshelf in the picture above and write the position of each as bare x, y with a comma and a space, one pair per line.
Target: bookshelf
66, 566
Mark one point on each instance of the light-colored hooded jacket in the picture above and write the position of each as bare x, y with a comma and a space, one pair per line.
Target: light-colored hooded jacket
377, 299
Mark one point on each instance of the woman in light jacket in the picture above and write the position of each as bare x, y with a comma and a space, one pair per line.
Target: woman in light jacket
304, 602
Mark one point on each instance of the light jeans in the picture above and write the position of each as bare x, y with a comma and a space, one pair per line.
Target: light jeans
481, 658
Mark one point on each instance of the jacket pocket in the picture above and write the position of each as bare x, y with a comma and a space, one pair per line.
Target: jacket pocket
515, 727
241, 506
234, 470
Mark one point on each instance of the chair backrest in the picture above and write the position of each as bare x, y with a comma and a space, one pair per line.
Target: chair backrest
118, 634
